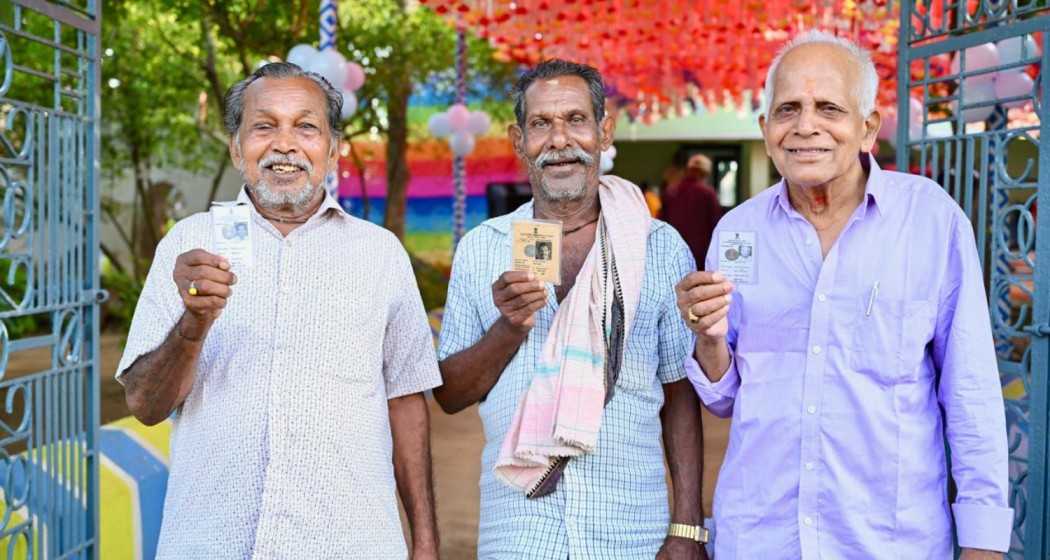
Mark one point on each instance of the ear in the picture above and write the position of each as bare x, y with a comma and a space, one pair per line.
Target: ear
235, 152
762, 125
871, 131
333, 155
607, 129
517, 139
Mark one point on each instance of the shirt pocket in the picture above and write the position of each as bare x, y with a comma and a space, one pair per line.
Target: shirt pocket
889, 343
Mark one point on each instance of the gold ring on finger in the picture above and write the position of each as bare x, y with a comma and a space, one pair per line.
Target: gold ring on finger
692, 316
192, 290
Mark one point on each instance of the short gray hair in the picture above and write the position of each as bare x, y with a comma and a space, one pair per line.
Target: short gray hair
233, 103
555, 68
865, 90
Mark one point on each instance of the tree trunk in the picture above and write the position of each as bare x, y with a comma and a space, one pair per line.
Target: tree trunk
397, 174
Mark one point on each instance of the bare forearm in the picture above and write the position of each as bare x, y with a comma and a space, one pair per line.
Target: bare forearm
410, 428
713, 357
158, 382
469, 375
683, 445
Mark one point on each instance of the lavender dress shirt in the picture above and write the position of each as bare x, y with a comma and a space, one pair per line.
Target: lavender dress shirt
849, 375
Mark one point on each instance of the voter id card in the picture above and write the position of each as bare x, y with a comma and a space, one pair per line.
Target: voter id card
536, 248
232, 233
736, 256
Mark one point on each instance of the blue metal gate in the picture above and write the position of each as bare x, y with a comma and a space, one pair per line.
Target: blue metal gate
977, 126
49, 69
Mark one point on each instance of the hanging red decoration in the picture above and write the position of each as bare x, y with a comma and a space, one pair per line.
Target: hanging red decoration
656, 54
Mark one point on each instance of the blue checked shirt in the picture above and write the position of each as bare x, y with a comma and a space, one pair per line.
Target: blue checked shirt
611, 503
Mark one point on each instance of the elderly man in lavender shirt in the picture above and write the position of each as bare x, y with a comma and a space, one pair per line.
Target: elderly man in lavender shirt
846, 331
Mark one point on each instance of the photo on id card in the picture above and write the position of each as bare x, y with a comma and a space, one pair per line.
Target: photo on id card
232, 233
536, 248
737, 258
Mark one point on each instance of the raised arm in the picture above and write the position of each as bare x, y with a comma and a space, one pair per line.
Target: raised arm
157, 382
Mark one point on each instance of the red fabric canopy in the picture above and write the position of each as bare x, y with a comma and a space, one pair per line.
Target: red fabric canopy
661, 57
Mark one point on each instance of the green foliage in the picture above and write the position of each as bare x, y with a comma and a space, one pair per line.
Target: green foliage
124, 290
15, 287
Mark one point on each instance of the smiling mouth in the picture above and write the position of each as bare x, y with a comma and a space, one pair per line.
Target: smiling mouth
561, 164
808, 151
284, 168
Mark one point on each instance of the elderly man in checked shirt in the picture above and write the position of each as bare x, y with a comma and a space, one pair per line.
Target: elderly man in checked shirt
612, 502
296, 384
854, 347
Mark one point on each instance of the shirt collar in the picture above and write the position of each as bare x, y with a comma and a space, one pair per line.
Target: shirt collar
328, 203
874, 189
502, 223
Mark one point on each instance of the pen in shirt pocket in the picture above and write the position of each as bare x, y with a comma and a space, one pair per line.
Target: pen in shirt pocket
871, 298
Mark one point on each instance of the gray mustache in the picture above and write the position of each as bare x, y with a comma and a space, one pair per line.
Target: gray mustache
275, 159
551, 156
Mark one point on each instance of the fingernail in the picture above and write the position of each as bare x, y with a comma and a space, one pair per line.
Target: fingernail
234, 280
717, 277
531, 276
729, 298
224, 265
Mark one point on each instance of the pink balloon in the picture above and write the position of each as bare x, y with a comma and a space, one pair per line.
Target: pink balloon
1012, 83
355, 77
459, 117
977, 58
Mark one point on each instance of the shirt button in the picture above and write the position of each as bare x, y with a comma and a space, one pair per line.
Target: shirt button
816, 349
809, 466
808, 521
809, 241
811, 409
822, 297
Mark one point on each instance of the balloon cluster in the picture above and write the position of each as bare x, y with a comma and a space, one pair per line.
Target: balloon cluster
982, 85
459, 125
345, 76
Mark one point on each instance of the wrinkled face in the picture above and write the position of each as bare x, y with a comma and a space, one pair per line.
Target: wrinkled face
814, 131
284, 147
561, 142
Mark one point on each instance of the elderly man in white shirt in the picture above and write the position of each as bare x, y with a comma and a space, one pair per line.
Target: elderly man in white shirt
296, 383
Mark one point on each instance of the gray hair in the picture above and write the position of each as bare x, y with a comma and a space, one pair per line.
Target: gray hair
233, 103
865, 89
554, 68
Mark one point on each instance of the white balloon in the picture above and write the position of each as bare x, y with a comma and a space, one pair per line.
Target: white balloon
976, 92
439, 125
349, 104
331, 65
611, 151
977, 58
462, 143
478, 122
1010, 49
606, 163
301, 55
890, 123
1012, 83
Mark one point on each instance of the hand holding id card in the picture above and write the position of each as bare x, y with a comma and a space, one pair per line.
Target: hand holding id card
232, 233
536, 248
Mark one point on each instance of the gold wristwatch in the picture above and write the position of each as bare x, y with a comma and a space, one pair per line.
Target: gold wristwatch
693, 532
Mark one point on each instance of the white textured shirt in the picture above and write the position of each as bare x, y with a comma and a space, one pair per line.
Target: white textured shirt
283, 447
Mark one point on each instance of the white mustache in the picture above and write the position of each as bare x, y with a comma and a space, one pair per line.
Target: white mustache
549, 156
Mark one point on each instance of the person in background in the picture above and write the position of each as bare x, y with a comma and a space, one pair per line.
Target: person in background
690, 205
